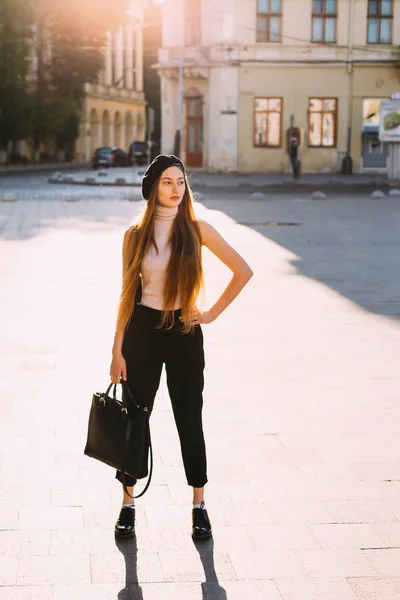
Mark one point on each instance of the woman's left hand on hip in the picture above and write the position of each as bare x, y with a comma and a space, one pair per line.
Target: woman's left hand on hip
200, 317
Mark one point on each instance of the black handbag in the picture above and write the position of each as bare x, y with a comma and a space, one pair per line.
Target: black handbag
119, 434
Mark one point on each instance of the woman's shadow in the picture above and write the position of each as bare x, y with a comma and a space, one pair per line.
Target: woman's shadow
210, 588
132, 589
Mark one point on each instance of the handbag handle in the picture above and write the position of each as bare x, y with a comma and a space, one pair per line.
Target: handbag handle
125, 389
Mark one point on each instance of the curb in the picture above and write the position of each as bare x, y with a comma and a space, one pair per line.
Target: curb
5, 171
93, 183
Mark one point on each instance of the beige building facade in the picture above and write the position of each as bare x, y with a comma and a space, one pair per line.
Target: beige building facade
114, 109
255, 69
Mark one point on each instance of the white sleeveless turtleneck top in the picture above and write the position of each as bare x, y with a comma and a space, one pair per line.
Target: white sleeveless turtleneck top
154, 265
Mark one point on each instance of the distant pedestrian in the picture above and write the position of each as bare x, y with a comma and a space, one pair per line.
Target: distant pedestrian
159, 322
294, 154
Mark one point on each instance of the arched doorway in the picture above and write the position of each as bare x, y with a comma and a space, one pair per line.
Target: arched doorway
94, 130
106, 128
118, 129
194, 127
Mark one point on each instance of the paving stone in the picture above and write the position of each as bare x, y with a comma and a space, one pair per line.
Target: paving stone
334, 588
130, 567
20, 543
266, 564
47, 570
233, 537
282, 537
376, 588
8, 518
162, 539
87, 541
238, 590
92, 592
386, 561
389, 533
336, 563
8, 570
166, 591
50, 517
361, 511
299, 511
251, 513
347, 535
25, 592
378, 471
81, 497
196, 566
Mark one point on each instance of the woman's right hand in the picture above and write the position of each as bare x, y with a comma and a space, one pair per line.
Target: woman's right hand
118, 368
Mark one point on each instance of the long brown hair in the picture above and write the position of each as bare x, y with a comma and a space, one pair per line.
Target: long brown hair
184, 275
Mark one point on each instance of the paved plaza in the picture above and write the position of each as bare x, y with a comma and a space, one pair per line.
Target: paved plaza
302, 408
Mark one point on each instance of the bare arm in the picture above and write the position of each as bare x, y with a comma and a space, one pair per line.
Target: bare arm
126, 250
242, 273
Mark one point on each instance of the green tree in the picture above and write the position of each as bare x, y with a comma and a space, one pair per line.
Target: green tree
70, 52
15, 35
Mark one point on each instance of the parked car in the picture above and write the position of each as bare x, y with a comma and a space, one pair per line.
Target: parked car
110, 156
138, 152
143, 153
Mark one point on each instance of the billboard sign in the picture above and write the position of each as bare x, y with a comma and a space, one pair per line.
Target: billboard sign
389, 122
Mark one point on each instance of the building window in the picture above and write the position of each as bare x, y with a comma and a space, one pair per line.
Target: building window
380, 19
193, 23
267, 122
322, 122
269, 20
324, 18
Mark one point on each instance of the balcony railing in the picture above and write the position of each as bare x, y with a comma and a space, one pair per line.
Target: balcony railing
196, 55
110, 91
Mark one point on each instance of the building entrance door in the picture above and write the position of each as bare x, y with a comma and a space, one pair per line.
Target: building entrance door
194, 131
374, 152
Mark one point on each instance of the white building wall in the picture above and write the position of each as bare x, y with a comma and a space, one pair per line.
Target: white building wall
220, 22
169, 95
172, 23
222, 119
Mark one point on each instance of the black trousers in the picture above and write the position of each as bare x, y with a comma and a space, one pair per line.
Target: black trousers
145, 350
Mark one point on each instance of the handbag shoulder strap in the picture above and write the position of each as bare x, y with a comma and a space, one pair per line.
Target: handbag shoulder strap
126, 444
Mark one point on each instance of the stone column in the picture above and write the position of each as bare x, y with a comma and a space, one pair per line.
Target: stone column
222, 125
119, 56
129, 56
85, 136
139, 55
109, 58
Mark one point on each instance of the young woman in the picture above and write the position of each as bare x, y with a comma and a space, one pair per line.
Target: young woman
159, 323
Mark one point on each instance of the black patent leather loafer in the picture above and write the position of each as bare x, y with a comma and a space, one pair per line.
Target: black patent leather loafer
201, 529
125, 526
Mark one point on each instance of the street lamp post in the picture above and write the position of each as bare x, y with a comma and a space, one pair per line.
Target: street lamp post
178, 136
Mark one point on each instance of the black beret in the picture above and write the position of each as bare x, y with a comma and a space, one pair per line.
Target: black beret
154, 170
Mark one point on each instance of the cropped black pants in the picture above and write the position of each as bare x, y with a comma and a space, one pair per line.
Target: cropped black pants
145, 350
